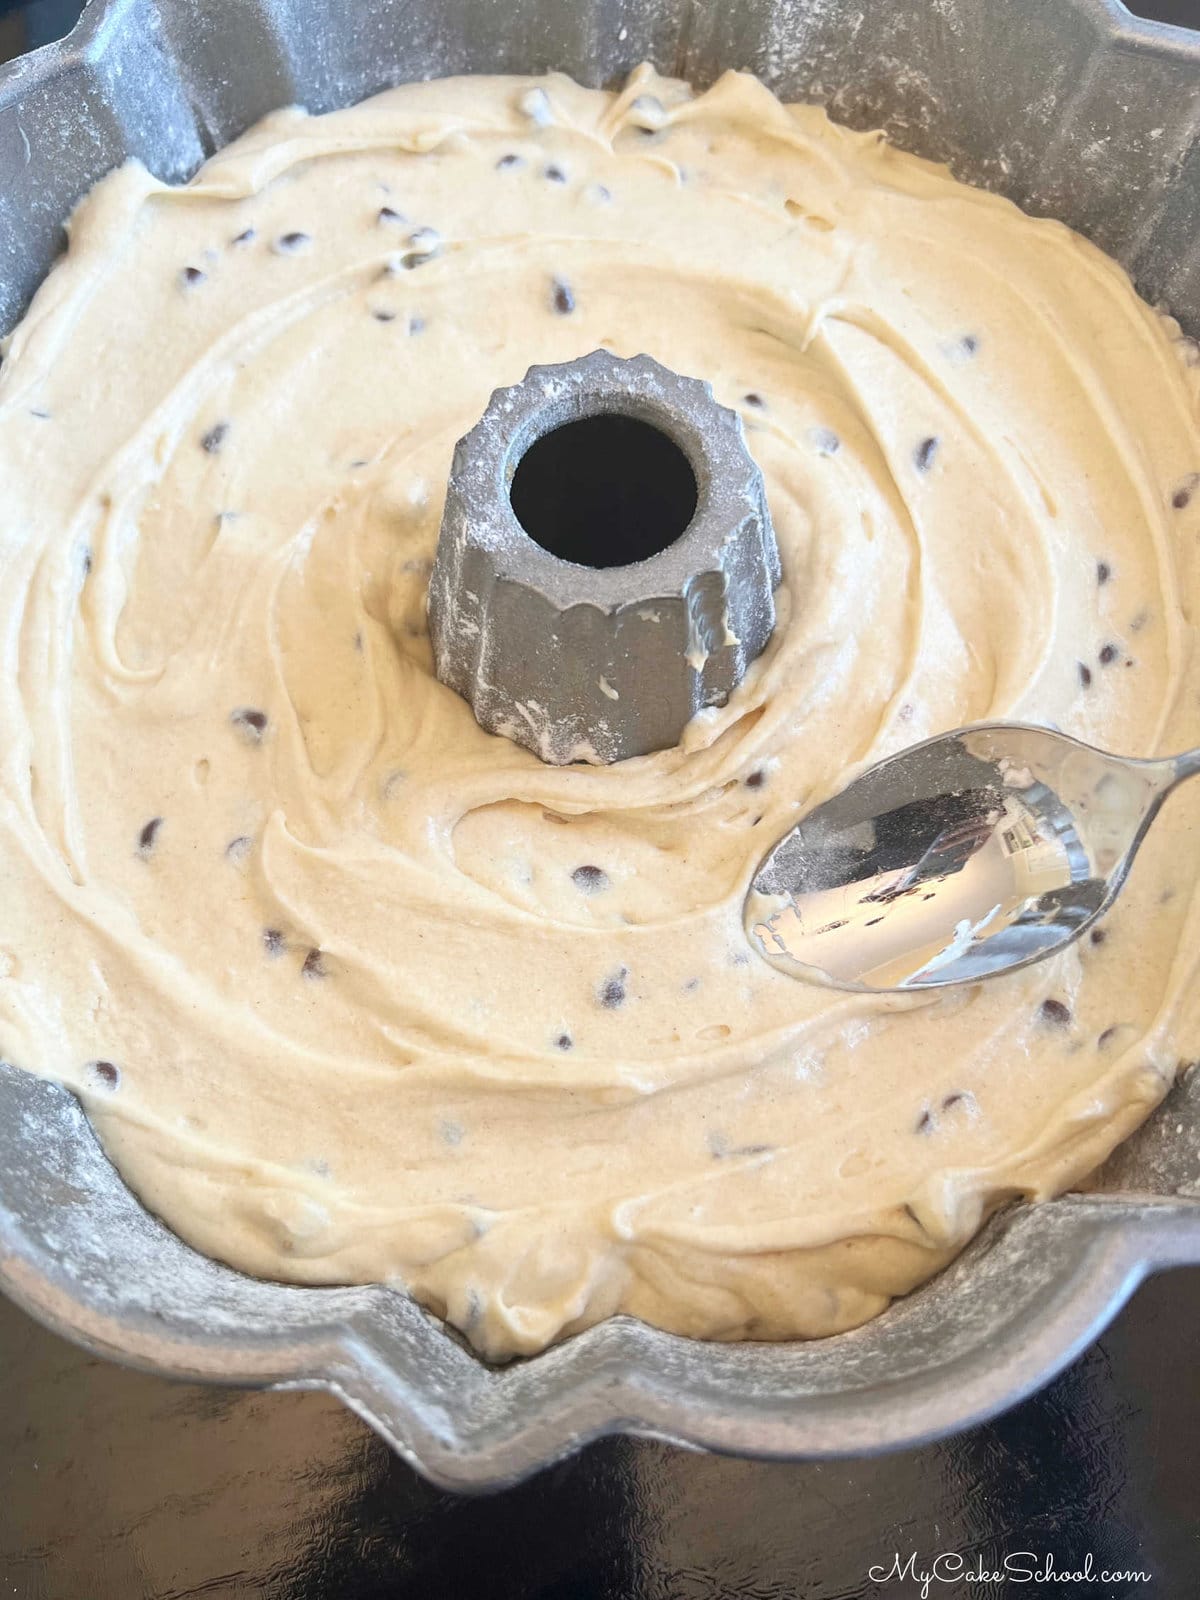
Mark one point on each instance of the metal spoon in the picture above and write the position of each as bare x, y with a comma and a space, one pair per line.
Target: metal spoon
958, 859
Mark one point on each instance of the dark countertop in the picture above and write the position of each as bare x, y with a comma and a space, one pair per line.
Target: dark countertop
118, 1486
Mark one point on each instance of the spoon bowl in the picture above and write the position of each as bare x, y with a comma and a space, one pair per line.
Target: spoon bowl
958, 859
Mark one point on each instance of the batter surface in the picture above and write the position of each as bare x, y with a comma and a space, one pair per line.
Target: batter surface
354, 991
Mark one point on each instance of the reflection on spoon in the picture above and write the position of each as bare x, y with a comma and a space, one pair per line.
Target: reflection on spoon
958, 859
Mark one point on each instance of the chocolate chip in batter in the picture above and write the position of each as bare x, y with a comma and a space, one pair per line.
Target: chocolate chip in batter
553, 173
381, 315
1099, 935
755, 779
192, 277
826, 441
314, 965
1182, 497
250, 723
1103, 572
423, 245
1108, 655
959, 1097
86, 562
273, 941
390, 214
247, 236
103, 1075
611, 993
290, 244
510, 162
562, 297
969, 344
148, 836
755, 400
590, 880
564, 1042
1085, 674
238, 849
1107, 1037
1055, 1012
925, 452
214, 438
925, 1122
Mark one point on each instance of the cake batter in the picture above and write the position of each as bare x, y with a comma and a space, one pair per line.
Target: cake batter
353, 991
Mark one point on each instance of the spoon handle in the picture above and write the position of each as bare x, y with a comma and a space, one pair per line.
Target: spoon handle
1186, 766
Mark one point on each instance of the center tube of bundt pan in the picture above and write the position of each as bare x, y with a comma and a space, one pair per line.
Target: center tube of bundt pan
606, 564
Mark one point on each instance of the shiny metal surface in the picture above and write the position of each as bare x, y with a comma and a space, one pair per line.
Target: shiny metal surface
611, 658
958, 859
1069, 106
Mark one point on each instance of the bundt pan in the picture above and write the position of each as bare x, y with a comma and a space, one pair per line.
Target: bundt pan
1073, 109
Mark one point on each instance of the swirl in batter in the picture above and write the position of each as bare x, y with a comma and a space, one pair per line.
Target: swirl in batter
353, 991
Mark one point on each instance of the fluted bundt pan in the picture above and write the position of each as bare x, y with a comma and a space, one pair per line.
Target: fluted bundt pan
606, 562
1068, 106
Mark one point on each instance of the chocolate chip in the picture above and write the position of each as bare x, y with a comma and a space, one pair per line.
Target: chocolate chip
1106, 1038
215, 438
249, 722
290, 243
590, 880
924, 453
564, 1042
953, 1100
554, 173
423, 245
103, 1075
611, 993
247, 236
872, 922
1085, 675
562, 298
383, 316
238, 849
601, 193
1103, 572
1108, 655
510, 162
1182, 498
273, 941
148, 836
826, 441
86, 562
755, 779
969, 343
925, 1122
1054, 1011
390, 214
415, 325
755, 400
314, 965
1099, 935
190, 277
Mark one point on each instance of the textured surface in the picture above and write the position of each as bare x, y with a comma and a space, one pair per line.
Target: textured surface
620, 1373
601, 664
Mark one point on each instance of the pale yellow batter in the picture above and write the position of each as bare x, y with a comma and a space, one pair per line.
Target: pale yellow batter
317, 952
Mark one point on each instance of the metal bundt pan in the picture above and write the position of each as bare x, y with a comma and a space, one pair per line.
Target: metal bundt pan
1073, 109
